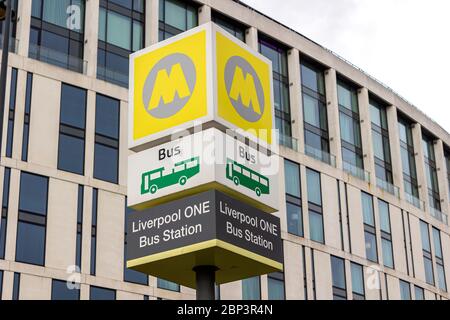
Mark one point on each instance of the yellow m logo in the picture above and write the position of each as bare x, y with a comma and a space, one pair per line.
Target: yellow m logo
245, 88
167, 85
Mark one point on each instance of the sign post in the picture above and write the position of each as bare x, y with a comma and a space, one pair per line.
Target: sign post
205, 200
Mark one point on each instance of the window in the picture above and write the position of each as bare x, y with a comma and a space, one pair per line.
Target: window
56, 36
168, 285
405, 290
72, 129
251, 288
447, 164
79, 226
232, 26
357, 281
12, 43
278, 55
380, 137
27, 117
130, 275
338, 278
426, 249
408, 162
314, 111
97, 293
94, 231
16, 286
315, 206
369, 227
440, 270
431, 172
62, 291
350, 129
275, 284
386, 236
11, 113
106, 153
31, 227
176, 16
4, 214
419, 293
293, 198
120, 33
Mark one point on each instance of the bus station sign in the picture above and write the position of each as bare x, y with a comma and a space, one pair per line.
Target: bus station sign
201, 76
209, 228
205, 160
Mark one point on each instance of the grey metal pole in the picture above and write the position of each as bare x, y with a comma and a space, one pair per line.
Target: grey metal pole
205, 280
4, 66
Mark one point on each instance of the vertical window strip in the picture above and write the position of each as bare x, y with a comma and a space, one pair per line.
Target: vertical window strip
410, 245
4, 213
94, 231
315, 206
32, 219
386, 234
26, 125
80, 208
369, 227
341, 227
16, 286
405, 245
305, 275
1, 284
441, 278
11, 113
313, 275
339, 284
348, 217
426, 251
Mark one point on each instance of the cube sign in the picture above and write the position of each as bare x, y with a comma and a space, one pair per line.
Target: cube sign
202, 161
201, 76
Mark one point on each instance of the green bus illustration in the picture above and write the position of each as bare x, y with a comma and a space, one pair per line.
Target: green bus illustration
241, 175
154, 180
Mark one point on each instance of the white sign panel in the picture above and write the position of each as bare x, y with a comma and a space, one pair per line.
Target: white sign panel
201, 161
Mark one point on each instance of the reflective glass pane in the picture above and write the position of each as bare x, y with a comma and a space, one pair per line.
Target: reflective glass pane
367, 207
55, 11
316, 227
357, 279
429, 274
441, 277
71, 154
33, 193
388, 258
292, 178
313, 185
251, 289
405, 290
168, 285
294, 219
338, 272
419, 293
371, 246
275, 288
73, 106
383, 208
119, 30
30, 245
311, 111
97, 293
106, 163
425, 236
61, 291
175, 14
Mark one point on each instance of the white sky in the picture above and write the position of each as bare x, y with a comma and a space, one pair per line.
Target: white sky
403, 43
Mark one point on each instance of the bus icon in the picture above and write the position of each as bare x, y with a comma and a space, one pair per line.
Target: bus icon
243, 176
160, 178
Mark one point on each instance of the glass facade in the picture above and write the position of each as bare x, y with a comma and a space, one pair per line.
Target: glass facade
62, 290
276, 53
168, 285
352, 154
32, 221
434, 197
314, 111
405, 290
293, 198
408, 160
176, 16
357, 281
4, 214
72, 128
315, 206
426, 250
338, 278
380, 137
97, 293
232, 26
251, 288
120, 33
57, 33
106, 153
369, 227
275, 283
386, 235
439, 258
11, 113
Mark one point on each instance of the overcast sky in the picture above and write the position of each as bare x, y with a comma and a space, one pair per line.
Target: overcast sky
403, 43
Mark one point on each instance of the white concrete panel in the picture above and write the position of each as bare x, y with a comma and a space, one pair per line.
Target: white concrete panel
356, 221
323, 276
34, 288
61, 224
398, 244
330, 207
44, 122
293, 271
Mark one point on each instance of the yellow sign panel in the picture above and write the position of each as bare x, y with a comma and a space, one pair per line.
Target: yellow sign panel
170, 86
244, 89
